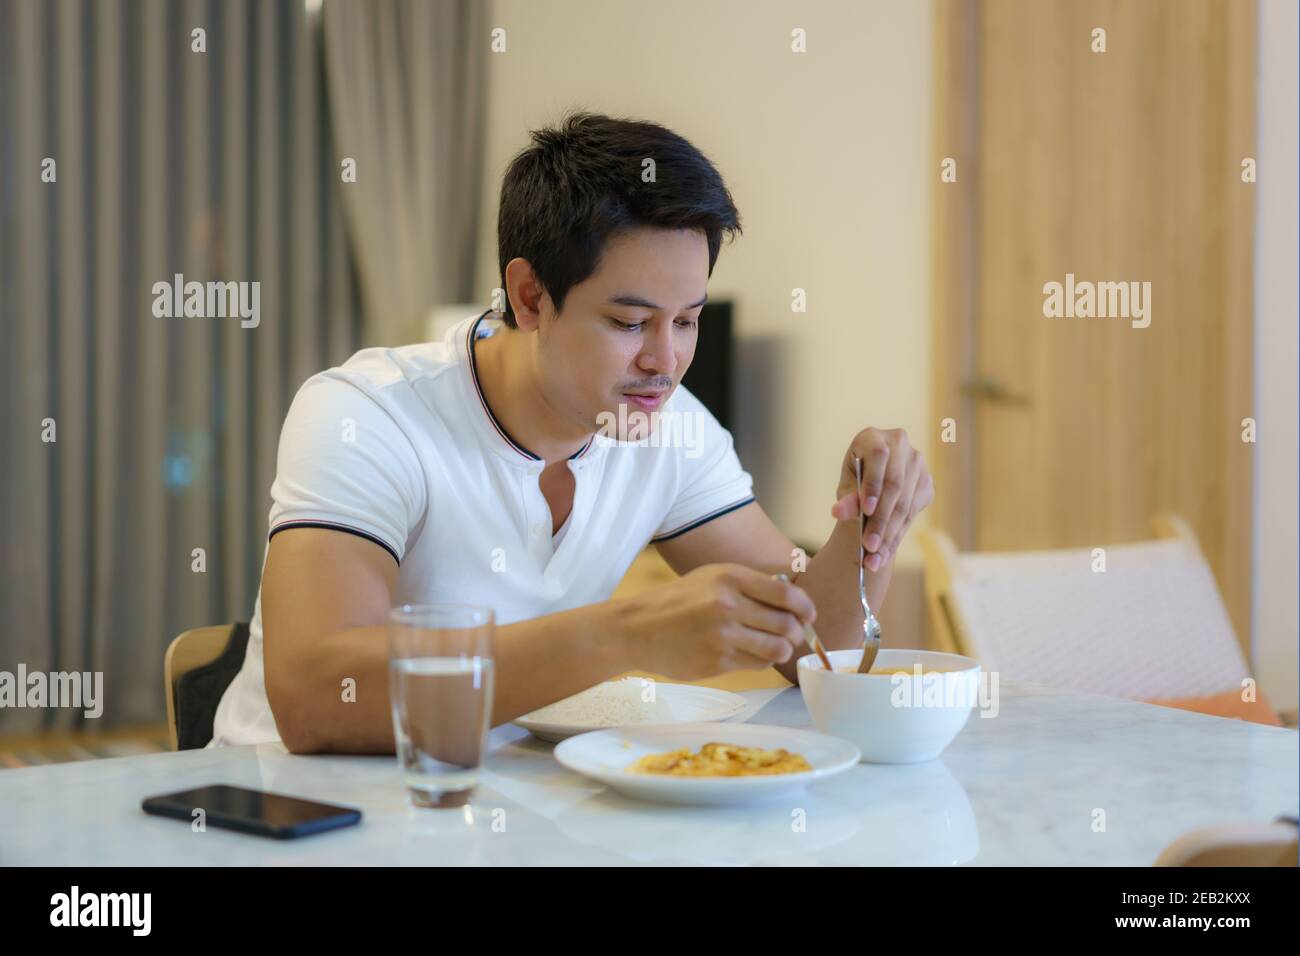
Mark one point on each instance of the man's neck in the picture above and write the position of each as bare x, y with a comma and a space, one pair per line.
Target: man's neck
509, 383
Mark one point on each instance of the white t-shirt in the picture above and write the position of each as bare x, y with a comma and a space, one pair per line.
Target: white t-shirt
399, 446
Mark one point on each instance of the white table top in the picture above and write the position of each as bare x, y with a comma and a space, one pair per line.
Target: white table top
1017, 788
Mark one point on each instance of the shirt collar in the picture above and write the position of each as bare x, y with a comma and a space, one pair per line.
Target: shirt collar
493, 431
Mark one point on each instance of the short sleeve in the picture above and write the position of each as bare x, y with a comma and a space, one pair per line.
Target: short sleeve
711, 481
345, 464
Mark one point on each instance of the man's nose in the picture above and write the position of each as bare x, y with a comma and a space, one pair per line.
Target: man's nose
658, 354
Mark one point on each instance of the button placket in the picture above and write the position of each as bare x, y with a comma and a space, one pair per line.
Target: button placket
536, 512
581, 488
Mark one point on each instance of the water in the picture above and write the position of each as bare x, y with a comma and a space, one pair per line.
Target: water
442, 707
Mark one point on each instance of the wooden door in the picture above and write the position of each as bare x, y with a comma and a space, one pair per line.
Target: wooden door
1122, 166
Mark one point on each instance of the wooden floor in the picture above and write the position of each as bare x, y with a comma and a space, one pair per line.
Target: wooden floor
58, 747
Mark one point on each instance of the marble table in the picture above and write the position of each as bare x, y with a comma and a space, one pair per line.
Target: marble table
1053, 778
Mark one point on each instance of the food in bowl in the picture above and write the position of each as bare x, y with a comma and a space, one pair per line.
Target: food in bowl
891, 714
721, 760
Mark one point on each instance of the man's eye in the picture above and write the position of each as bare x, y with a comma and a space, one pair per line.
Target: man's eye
628, 327
686, 323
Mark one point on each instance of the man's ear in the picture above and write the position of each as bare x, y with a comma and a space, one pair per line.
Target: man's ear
526, 294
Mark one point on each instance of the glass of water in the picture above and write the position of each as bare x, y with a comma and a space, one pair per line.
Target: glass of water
440, 678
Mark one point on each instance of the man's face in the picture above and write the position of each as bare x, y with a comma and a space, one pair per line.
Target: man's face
627, 334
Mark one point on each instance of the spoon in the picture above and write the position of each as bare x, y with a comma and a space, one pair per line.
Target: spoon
870, 626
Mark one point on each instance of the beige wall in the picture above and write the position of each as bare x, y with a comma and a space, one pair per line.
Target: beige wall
1277, 517
827, 157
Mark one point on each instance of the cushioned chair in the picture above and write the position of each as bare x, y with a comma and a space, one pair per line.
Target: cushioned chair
199, 666
1150, 627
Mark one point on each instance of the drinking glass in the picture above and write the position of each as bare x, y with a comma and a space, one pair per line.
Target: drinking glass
440, 684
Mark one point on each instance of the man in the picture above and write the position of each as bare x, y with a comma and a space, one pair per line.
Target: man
471, 471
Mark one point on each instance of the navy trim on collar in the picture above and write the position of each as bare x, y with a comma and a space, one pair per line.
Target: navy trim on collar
473, 369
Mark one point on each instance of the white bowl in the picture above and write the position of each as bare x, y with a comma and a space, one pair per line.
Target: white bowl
891, 718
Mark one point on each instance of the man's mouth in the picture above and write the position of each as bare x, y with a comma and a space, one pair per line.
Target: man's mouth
646, 401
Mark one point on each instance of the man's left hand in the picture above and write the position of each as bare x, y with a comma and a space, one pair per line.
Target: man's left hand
896, 487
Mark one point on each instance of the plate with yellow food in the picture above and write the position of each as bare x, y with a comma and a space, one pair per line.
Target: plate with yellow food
706, 763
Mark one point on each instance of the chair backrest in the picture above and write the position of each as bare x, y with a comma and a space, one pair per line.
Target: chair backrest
1150, 625
1236, 844
188, 652
941, 561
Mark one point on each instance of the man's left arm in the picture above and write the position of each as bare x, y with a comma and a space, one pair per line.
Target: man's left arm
896, 487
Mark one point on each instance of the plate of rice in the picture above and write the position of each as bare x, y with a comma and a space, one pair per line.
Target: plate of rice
630, 702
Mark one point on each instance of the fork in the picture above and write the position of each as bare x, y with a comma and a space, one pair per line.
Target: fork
870, 626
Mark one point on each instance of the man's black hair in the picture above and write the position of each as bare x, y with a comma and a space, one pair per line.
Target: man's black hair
580, 184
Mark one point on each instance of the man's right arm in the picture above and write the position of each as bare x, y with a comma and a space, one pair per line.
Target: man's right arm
326, 597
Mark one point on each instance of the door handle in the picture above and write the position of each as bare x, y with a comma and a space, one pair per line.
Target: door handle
990, 389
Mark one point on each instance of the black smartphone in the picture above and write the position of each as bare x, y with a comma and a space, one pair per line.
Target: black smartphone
252, 811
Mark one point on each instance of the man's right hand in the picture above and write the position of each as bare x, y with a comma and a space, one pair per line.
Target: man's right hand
719, 618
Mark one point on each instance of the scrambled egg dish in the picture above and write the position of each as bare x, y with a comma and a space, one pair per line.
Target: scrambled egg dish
721, 760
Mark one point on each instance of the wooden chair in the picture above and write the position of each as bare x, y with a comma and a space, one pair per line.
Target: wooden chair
1238, 844
196, 648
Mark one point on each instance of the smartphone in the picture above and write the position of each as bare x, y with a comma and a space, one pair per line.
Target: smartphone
252, 811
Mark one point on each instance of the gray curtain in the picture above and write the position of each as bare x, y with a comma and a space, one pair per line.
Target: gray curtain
406, 84
216, 165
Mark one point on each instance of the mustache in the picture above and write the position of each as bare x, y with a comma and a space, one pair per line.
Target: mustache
660, 384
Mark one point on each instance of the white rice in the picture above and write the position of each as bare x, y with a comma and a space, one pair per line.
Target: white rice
615, 703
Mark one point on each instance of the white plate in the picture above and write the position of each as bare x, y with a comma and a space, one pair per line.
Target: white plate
683, 703
603, 755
